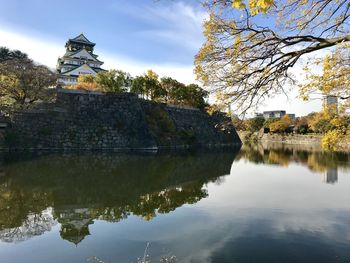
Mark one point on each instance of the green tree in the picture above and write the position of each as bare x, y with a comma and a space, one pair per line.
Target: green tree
148, 86
255, 124
178, 93
138, 86
170, 86
195, 96
301, 125
153, 88
113, 81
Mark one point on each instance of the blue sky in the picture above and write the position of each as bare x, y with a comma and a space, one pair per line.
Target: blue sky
147, 30
132, 35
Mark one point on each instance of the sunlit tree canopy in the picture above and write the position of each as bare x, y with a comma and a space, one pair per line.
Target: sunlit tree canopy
251, 46
332, 79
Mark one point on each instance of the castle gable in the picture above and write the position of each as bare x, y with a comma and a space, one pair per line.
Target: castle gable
82, 70
83, 54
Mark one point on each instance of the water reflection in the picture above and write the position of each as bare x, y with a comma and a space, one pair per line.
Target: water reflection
331, 176
34, 224
258, 205
36, 193
321, 162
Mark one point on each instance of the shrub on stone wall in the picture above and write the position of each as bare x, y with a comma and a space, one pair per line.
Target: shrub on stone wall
187, 136
159, 121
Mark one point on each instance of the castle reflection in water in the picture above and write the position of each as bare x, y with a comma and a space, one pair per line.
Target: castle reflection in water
39, 192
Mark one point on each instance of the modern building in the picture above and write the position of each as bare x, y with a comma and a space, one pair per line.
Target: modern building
274, 114
79, 59
291, 116
331, 176
331, 102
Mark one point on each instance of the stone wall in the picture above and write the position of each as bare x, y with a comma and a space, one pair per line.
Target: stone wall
309, 140
91, 120
293, 138
314, 140
188, 126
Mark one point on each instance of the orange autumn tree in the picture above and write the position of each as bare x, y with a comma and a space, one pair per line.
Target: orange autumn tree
85, 82
282, 125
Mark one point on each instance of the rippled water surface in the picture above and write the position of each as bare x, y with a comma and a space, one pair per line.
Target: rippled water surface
249, 205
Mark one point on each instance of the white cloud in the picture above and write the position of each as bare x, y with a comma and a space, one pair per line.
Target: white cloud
181, 73
46, 53
177, 22
38, 49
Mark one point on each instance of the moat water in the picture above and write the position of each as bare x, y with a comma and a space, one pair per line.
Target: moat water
279, 204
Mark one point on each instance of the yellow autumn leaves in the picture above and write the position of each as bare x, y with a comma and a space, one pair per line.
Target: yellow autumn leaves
255, 6
334, 79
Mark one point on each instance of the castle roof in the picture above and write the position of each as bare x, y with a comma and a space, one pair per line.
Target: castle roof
82, 40
72, 53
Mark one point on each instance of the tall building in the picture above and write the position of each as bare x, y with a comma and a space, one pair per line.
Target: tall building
79, 59
331, 176
291, 116
331, 102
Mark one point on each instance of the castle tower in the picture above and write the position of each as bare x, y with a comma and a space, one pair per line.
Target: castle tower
79, 59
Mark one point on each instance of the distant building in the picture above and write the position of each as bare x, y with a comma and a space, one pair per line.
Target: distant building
291, 116
79, 59
274, 114
259, 115
331, 176
331, 102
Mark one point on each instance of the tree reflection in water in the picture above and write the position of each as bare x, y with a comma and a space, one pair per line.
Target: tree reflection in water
321, 162
75, 190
